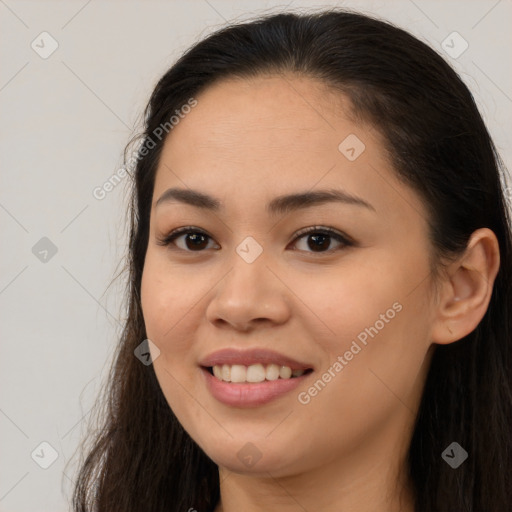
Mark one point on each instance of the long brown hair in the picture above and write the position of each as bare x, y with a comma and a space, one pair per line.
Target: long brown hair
141, 458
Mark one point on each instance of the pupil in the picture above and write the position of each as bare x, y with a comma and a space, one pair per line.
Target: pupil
323, 242
195, 238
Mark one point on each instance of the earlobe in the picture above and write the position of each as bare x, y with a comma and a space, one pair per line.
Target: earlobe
467, 288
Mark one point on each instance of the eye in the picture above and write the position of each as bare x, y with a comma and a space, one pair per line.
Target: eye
193, 238
318, 239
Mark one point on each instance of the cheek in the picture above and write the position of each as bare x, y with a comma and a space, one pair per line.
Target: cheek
167, 303
344, 302
376, 318
365, 385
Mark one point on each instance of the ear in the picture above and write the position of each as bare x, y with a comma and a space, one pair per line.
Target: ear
466, 289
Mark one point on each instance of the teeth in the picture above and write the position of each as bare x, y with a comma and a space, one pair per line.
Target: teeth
254, 372
226, 373
217, 371
285, 372
238, 373
272, 372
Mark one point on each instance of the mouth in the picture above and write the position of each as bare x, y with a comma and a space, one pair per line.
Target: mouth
244, 393
255, 373
252, 377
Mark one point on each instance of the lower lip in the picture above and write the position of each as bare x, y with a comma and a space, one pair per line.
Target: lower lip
247, 394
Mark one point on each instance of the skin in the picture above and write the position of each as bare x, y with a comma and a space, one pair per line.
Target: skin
246, 142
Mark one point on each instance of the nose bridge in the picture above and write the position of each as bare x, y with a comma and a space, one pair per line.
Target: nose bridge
249, 291
247, 283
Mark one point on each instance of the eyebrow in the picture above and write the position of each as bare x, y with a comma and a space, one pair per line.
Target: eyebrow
278, 206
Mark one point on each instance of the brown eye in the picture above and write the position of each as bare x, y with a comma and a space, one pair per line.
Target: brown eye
319, 240
190, 240
195, 241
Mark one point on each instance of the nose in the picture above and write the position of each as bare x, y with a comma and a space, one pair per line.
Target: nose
248, 296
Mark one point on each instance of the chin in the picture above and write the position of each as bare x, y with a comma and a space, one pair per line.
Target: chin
255, 457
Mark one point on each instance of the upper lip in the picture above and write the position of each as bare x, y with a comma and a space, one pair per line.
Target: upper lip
251, 356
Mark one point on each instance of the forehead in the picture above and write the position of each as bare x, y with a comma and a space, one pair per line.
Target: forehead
277, 110
251, 140
270, 124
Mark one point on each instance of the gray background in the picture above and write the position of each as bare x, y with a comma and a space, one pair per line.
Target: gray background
64, 122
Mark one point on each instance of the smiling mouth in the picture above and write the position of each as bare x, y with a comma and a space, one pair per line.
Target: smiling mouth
238, 373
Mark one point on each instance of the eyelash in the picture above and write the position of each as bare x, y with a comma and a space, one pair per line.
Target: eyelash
339, 237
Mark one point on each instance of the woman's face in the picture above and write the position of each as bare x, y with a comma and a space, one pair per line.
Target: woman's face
355, 315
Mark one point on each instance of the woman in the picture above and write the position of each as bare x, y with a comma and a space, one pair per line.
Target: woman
320, 276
